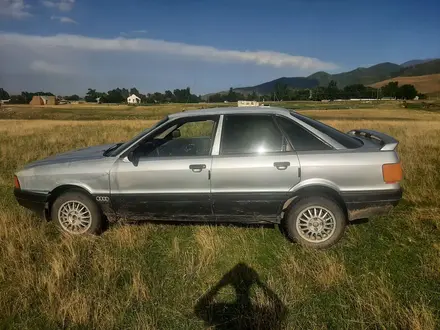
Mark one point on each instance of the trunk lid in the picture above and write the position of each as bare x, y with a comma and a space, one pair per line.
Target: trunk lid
374, 138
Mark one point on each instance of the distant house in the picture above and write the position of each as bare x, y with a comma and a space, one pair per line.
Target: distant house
133, 99
43, 100
248, 103
4, 101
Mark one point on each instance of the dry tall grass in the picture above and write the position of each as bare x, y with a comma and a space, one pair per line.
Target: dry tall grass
385, 274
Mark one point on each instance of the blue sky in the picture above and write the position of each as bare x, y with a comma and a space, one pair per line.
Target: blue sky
67, 46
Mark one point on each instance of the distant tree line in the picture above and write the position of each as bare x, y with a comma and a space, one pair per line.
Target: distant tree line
281, 92
119, 95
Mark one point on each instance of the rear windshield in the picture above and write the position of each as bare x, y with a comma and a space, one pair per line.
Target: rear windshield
344, 139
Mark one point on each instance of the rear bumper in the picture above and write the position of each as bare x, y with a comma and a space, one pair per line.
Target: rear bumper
365, 204
33, 201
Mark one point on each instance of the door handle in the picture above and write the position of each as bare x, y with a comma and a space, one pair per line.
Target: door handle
281, 165
197, 167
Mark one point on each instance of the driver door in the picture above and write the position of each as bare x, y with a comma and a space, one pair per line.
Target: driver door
168, 176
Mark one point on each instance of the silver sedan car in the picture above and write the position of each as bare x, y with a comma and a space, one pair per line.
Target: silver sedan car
247, 165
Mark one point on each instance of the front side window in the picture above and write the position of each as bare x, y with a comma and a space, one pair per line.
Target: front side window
301, 139
181, 139
122, 146
250, 134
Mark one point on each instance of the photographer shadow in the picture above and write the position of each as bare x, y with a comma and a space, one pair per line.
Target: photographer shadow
242, 313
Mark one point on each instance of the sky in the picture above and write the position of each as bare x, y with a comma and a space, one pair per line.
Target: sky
68, 46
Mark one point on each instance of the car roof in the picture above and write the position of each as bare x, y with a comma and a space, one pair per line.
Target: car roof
230, 110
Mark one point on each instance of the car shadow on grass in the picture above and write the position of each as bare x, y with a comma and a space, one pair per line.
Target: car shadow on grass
265, 312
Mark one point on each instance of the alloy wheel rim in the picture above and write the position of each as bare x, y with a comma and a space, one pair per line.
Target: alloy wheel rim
316, 224
75, 217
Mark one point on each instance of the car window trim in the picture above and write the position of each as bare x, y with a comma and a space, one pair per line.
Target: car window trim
308, 131
283, 133
180, 122
220, 153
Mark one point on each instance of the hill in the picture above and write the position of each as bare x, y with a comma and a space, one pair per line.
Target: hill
366, 76
363, 76
422, 69
416, 62
268, 87
427, 84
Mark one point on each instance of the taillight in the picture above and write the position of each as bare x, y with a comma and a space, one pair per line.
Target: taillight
392, 173
16, 182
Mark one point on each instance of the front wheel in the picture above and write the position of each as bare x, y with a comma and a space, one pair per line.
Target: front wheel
76, 213
316, 222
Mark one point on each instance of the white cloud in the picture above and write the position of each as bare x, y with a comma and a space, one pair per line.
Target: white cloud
138, 45
14, 8
62, 5
45, 67
131, 33
64, 19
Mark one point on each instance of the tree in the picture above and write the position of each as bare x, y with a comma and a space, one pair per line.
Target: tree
407, 92
143, 98
125, 93
73, 97
299, 95
17, 99
4, 95
169, 96
332, 90
91, 95
354, 91
281, 91
232, 95
252, 97
391, 89
116, 96
134, 91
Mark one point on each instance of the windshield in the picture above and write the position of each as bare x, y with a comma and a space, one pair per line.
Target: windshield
123, 146
342, 138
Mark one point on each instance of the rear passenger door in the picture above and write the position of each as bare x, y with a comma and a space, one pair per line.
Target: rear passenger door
254, 169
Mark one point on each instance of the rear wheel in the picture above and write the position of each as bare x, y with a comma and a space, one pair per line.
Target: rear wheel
316, 222
76, 213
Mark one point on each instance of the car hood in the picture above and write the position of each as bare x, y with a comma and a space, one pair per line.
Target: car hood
90, 153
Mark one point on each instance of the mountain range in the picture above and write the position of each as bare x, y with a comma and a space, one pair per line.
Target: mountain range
365, 76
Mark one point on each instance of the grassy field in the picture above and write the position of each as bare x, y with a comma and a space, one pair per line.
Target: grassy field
155, 112
384, 274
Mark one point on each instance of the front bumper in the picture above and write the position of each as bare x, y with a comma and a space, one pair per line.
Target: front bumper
33, 201
365, 204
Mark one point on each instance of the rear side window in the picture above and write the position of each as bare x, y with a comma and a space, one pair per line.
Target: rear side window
343, 139
248, 134
301, 139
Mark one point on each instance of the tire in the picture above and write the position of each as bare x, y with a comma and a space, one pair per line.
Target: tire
318, 232
76, 213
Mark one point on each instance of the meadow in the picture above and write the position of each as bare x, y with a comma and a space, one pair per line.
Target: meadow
384, 274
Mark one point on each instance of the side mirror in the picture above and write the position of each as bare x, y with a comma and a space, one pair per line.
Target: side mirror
176, 134
131, 157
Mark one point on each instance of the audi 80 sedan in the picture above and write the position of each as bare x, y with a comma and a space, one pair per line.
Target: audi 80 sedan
246, 165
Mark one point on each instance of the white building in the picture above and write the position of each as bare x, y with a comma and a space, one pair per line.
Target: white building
248, 104
133, 99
